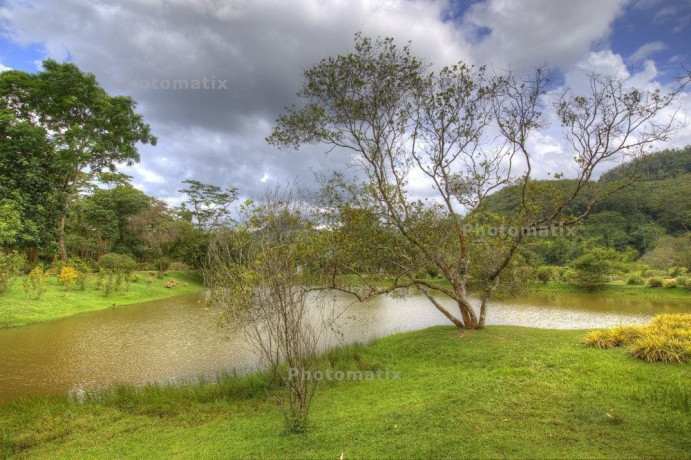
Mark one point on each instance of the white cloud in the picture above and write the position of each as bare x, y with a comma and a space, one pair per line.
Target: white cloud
531, 33
4, 67
646, 51
262, 47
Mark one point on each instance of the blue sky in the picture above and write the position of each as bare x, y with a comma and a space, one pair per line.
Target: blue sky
261, 48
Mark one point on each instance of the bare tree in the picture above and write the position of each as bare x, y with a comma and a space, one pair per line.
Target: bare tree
256, 275
467, 135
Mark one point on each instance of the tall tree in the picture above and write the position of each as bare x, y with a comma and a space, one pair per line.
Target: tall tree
466, 134
86, 128
29, 183
209, 203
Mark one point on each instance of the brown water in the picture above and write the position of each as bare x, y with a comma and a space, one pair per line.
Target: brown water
177, 339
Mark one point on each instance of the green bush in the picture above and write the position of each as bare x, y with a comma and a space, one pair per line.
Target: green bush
592, 269
545, 273
651, 273
635, 280
117, 262
655, 282
35, 283
670, 283
10, 267
688, 283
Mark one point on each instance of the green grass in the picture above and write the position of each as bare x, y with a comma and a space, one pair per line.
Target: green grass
499, 392
17, 308
618, 288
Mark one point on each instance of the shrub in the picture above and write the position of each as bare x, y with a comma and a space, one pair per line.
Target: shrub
35, 284
10, 266
667, 339
650, 273
67, 276
670, 283
615, 337
107, 281
545, 273
688, 283
635, 280
681, 281
655, 282
661, 348
592, 268
117, 262
181, 267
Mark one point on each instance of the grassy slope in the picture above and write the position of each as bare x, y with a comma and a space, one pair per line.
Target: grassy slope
17, 308
499, 392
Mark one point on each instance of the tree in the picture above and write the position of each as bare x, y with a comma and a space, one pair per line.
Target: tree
99, 222
256, 274
84, 126
29, 182
209, 203
593, 268
385, 108
156, 228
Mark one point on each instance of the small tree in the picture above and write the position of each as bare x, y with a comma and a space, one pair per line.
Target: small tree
255, 275
396, 119
593, 268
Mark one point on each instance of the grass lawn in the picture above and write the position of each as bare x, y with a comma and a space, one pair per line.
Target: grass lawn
17, 308
619, 288
499, 392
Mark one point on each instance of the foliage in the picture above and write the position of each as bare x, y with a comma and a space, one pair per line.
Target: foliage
669, 283
670, 252
257, 275
635, 280
10, 265
385, 109
76, 122
545, 274
98, 222
655, 282
157, 228
614, 337
667, 339
35, 284
592, 269
209, 203
67, 276
117, 262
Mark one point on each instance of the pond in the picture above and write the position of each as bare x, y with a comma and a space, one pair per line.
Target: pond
178, 339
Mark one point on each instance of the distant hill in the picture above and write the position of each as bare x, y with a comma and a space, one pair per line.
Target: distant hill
658, 203
663, 165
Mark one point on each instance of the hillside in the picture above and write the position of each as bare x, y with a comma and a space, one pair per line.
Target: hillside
655, 208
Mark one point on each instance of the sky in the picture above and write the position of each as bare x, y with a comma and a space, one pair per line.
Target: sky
248, 59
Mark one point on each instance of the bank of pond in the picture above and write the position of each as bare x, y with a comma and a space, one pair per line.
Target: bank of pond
504, 391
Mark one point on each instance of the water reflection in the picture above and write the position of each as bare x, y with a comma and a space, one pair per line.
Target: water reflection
177, 339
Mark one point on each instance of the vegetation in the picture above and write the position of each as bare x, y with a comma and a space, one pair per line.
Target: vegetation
516, 392
21, 307
666, 339
396, 118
